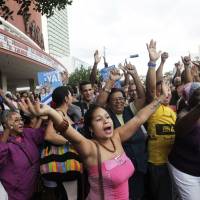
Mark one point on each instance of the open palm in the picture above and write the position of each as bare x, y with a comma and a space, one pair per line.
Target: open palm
153, 54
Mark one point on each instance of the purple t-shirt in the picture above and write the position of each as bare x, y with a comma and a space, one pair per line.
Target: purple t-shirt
19, 163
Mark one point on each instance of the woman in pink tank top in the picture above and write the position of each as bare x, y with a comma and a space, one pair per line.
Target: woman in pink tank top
101, 148
116, 173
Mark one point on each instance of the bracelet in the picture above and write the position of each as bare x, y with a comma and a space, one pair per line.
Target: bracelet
63, 126
106, 90
150, 64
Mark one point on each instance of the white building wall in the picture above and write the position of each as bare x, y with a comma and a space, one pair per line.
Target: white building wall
56, 40
58, 35
45, 33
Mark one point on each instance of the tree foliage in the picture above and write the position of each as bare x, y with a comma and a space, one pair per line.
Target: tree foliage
43, 6
79, 74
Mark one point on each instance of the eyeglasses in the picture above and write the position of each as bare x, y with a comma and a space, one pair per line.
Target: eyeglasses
18, 120
118, 99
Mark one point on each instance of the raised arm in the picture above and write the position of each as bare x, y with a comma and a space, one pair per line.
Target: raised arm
84, 146
126, 74
195, 73
141, 98
151, 73
52, 136
127, 130
159, 71
177, 75
197, 66
93, 74
187, 63
178, 66
103, 96
7, 101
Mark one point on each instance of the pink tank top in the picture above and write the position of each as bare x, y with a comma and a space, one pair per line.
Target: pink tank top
116, 173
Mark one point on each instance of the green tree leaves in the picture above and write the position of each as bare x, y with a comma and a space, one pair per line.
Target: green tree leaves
79, 74
43, 6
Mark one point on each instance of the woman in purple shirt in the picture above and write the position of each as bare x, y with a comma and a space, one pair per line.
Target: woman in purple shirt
19, 156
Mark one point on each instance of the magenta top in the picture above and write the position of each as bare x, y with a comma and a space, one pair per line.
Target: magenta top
116, 173
19, 163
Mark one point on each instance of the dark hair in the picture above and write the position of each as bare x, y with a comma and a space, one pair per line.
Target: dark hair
82, 83
59, 94
88, 119
114, 90
70, 89
75, 89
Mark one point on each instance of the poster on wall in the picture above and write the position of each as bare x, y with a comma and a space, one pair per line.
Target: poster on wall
48, 81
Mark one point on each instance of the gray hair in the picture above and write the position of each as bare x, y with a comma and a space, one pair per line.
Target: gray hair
5, 115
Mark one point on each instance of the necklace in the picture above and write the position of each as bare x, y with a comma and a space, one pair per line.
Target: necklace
110, 150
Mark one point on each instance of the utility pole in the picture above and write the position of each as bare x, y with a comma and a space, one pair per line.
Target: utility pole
104, 52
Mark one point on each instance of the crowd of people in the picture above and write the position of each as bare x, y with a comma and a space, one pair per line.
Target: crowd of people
140, 141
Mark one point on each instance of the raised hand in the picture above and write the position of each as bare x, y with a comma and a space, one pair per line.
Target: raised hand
23, 106
165, 92
194, 71
153, 54
34, 108
97, 58
164, 56
130, 69
186, 60
39, 109
115, 74
120, 66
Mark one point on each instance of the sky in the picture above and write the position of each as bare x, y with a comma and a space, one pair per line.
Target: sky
124, 27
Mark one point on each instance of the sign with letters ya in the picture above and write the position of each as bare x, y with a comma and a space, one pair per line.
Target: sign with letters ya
48, 81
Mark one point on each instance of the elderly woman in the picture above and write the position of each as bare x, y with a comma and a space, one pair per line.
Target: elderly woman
184, 159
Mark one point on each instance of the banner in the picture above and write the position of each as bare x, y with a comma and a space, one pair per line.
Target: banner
48, 81
105, 73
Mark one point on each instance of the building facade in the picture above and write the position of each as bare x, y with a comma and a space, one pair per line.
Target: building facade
58, 35
22, 53
56, 40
